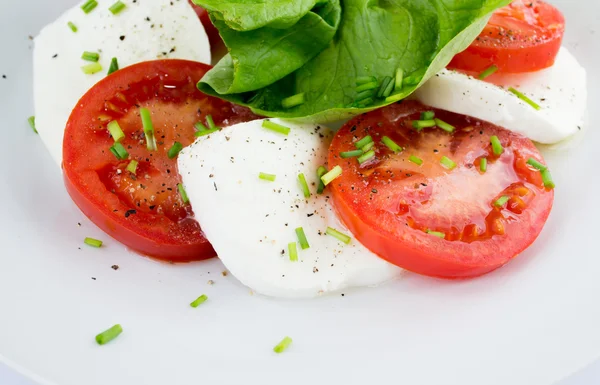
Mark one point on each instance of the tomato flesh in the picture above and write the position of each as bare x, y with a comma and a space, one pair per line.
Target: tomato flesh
143, 210
400, 210
524, 36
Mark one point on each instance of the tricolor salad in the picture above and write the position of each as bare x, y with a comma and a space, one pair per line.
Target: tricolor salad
336, 143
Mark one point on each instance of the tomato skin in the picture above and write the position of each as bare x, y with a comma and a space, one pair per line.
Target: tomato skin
143, 211
211, 30
524, 36
387, 203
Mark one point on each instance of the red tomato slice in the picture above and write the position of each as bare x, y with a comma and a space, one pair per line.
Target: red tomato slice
211, 30
399, 210
143, 210
524, 36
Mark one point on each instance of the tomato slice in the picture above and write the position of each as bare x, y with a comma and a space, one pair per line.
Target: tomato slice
213, 33
430, 219
524, 36
143, 210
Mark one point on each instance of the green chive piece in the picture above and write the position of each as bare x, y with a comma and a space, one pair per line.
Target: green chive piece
331, 175
205, 132
119, 151
174, 150
496, 145
488, 72
399, 82
114, 66
367, 86
304, 185
199, 301
366, 156
448, 163
444, 126
416, 160
384, 86
524, 98
184, 197
93, 242
302, 238
275, 127
31, 121
365, 79
390, 87
210, 122
148, 129
72, 26
115, 131
501, 201
132, 166
89, 6
427, 115
320, 172
90, 56
267, 177
363, 142
363, 103
338, 235
293, 250
391, 145
117, 7
92, 68
368, 94
436, 233
351, 154
284, 344
421, 124
109, 335
200, 126
395, 98
547, 179
368, 147
537, 165
293, 101
483, 165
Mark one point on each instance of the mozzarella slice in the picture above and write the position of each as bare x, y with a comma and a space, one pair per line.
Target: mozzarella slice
250, 221
144, 30
560, 91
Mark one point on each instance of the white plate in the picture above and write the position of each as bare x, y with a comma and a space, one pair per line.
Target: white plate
532, 322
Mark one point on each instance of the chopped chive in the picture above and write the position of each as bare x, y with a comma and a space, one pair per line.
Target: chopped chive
391, 145
114, 66
320, 172
304, 185
501, 201
368, 94
132, 166
351, 154
31, 121
72, 26
421, 124
115, 131
366, 86
496, 145
93, 242
210, 122
488, 72
199, 301
366, 156
267, 177
448, 163
537, 165
390, 87
89, 6
427, 115
524, 98
547, 179
363, 142
200, 126
275, 127
416, 160
117, 7
331, 175
92, 68
148, 129
363, 103
483, 165
293, 101
338, 235
367, 147
119, 151
302, 238
90, 56
109, 335
365, 79
436, 233
293, 250
205, 132
399, 82
384, 86
284, 344
444, 126
184, 197
174, 150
